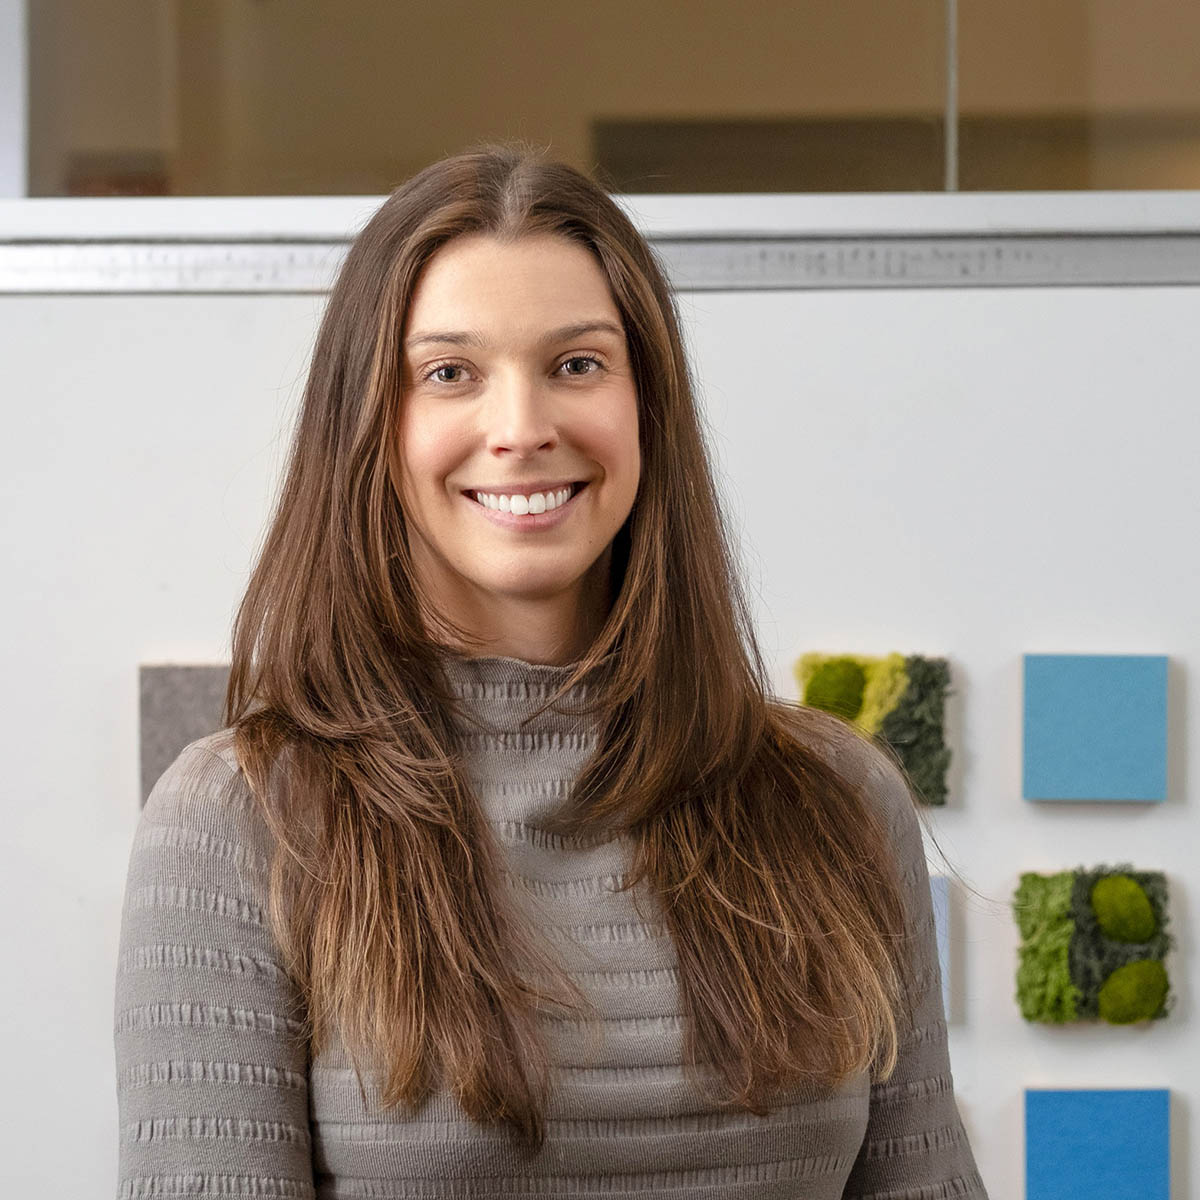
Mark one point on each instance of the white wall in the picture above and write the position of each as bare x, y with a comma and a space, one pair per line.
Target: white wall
976, 472
980, 474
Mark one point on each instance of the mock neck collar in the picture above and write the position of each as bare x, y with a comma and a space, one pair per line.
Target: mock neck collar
495, 693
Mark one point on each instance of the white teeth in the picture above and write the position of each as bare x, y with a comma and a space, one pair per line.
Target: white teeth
520, 505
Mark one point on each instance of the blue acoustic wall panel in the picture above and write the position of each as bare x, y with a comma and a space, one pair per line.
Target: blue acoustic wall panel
1108, 1144
1095, 727
939, 886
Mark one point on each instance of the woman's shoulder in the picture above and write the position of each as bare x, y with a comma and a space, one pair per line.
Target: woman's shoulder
221, 743
858, 759
210, 761
204, 787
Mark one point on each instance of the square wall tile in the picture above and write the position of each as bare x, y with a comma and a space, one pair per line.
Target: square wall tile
179, 703
1095, 727
1106, 1144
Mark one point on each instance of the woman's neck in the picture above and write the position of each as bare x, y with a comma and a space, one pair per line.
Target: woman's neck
555, 628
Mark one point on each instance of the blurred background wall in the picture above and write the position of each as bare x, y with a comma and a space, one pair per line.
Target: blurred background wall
241, 97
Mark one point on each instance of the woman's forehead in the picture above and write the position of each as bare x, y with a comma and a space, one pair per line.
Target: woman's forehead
480, 287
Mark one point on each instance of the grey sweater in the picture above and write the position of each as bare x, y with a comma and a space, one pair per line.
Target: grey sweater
217, 1096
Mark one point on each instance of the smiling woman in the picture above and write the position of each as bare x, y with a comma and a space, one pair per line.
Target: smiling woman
537, 410
508, 876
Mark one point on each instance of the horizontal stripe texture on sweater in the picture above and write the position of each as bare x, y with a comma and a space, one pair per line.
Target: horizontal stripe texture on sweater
218, 1097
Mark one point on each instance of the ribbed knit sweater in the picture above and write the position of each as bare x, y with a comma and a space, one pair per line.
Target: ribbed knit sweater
217, 1095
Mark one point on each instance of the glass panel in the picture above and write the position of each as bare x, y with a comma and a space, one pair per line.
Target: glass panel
1079, 94
326, 97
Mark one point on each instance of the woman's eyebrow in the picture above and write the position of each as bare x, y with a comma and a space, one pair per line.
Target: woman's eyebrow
473, 338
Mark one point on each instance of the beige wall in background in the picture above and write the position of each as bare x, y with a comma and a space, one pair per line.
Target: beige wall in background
101, 77
316, 96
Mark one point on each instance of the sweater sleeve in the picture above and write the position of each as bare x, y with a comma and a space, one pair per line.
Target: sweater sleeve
915, 1146
212, 1068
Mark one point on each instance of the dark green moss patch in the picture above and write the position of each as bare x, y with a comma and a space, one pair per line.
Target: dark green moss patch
1094, 954
915, 728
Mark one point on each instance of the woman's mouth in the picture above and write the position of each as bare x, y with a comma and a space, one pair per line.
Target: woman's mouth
521, 510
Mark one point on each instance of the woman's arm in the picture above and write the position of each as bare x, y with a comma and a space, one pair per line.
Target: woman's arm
915, 1144
212, 1075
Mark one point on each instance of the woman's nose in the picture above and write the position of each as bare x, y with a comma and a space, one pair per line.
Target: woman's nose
520, 414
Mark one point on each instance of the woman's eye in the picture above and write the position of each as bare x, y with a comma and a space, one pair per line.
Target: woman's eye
444, 367
582, 358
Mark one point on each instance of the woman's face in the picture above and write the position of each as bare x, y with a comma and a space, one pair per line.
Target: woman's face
518, 439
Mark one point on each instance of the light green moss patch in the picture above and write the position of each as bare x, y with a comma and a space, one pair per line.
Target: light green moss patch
1042, 907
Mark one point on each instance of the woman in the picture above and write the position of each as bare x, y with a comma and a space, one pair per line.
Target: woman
507, 875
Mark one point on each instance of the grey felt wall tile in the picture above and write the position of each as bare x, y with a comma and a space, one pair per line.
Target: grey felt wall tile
179, 703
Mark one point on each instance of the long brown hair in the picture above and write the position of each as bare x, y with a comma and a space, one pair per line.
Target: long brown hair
773, 873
